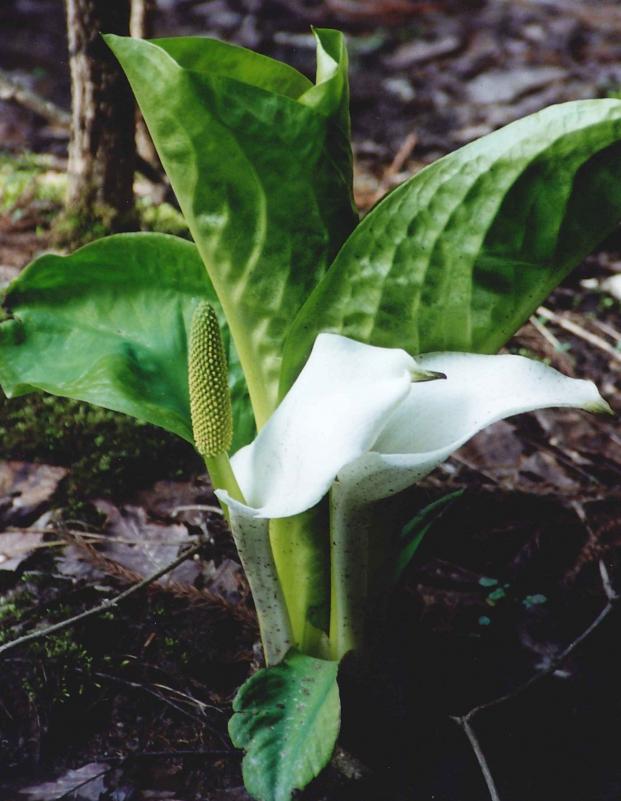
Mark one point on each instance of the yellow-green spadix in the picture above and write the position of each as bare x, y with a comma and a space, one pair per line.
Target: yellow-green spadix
355, 416
210, 400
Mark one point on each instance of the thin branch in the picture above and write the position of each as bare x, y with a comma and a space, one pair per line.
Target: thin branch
186, 752
611, 594
552, 666
72, 790
82, 535
149, 689
579, 331
136, 685
10, 89
395, 167
464, 721
464, 724
547, 335
200, 507
105, 606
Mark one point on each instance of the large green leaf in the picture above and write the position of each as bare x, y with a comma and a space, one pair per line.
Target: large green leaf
287, 718
109, 324
461, 254
261, 165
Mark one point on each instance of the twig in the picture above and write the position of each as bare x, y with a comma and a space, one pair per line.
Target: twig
579, 331
10, 89
239, 612
72, 790
547, 335
607, 329
185, 752
103, 607
464, 721
168, 701
216, 510
187, 698
611, 594
83, 535
552, 666
395, 166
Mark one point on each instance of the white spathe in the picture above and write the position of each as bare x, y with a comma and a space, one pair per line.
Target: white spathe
355, 415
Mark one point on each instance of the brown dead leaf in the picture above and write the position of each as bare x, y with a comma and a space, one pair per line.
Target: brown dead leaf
505, 86
82, 784
227, 580
26, 489
144, 546
165, 497
419, 52
17, 546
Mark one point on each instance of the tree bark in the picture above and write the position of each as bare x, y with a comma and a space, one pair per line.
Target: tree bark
141, 26
142, 18
102, 148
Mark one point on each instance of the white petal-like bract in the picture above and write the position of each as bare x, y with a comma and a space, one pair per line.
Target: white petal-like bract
331, 415
354, 413
437, 418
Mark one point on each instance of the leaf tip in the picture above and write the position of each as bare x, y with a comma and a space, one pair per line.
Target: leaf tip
600, 406
418, 375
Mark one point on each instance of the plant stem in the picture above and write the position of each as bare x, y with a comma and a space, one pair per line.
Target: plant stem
349, 566
222, 476
252, 541
301, 553
251, 535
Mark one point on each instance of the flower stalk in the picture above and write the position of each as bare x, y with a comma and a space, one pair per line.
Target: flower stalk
349, 572
210, 407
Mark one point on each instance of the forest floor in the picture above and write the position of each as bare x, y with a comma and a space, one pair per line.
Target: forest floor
132, 705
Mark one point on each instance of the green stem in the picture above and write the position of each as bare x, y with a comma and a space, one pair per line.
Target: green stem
222, 476
349, 572
301, 552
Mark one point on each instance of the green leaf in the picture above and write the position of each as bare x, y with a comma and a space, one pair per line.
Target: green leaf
261, 165
415, 530
212, 57
287, 718
109, 324
330, 94
460, 255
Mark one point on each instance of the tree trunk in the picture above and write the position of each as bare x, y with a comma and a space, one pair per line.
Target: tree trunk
141, 27
102, 152
142, 18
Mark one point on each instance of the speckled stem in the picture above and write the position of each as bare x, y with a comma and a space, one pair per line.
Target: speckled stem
349, 572
251, 537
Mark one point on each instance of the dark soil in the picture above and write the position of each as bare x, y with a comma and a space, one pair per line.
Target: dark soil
133, 705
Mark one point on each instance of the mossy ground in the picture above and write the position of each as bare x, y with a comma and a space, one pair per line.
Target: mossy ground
109, 455
33, 182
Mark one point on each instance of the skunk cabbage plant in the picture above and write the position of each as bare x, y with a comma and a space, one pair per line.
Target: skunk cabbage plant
318, 363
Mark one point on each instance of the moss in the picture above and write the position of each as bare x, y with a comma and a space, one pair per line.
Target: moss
28, 177
110, 455
30, 180
161, 217
79, 225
